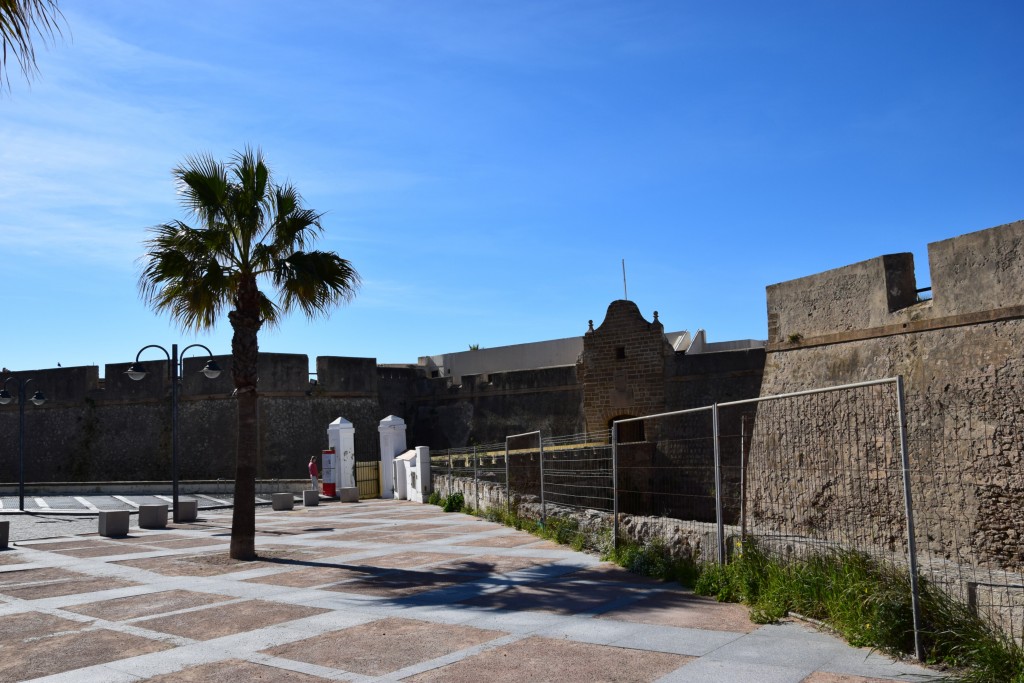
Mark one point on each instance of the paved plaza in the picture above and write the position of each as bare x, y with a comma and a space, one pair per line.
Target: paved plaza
380, 591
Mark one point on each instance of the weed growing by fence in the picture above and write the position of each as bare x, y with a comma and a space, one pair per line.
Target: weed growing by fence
865, 601
453, 503
868, 603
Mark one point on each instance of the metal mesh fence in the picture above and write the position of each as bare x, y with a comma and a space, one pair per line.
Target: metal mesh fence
848, 468
823, 471
968, 508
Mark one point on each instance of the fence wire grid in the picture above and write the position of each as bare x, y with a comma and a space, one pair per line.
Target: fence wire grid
849, 468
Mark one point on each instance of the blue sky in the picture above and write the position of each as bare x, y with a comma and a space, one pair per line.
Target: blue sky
487, 165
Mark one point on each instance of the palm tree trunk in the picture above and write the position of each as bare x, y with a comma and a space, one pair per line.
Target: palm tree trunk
245, 323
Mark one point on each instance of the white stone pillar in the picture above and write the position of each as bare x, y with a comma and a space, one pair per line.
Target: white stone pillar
423, 478
341, 436
392, 443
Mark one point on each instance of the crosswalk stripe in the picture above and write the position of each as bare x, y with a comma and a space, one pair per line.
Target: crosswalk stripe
41, 504
126, 500
86, 504
218, 501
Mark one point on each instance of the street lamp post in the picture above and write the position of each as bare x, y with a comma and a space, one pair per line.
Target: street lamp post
136, 371
37, 399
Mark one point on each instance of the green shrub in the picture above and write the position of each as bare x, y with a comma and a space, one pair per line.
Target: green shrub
454, 502
869, 604
435, 498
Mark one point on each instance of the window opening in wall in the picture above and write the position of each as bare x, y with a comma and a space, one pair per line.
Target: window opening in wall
628, 431
620, 352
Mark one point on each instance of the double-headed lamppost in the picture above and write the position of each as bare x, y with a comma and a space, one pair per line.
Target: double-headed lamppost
136, 371
37, 399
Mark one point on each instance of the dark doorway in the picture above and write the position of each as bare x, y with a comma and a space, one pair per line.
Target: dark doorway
628, 431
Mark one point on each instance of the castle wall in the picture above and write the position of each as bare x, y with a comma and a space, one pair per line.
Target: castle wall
624, 366
960, 354
486, 409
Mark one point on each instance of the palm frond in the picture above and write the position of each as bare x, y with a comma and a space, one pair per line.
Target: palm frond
314, 281
203, 186
182, 275
19, 19
249, 228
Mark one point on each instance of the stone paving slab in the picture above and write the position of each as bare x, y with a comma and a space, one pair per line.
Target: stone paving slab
380, 591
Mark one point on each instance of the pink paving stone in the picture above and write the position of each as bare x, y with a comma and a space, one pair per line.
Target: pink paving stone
554, 596
406, 559
684, 609
106, 550
491, 564
606, 571
558, 661
191, 565
411, 537
13, 557
822, 677
224, 620
26, 656
174, 544
35, 584
373, 535
25, 576
28, 625
233, 671
383, 646
146, 605
399, 584
58, 545
504, 541
309, 576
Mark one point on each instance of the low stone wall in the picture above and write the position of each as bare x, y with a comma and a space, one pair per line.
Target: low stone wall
682, 539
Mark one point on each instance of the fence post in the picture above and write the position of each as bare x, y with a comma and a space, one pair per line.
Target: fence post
908, 501
508, 487
543, 507
718, 487
450, 475
476, 479
744, 421
615, 486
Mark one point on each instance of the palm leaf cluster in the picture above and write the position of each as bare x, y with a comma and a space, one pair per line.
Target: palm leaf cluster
245, 227
19, 20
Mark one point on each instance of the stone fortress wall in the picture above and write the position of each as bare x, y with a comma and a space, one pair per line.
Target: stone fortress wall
962, 356
115, 428
960, 352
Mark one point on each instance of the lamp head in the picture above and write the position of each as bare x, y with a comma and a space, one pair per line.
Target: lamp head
211, 369
5, 397
136, 371
38, 399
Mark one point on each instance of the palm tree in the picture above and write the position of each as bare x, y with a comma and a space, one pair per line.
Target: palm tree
19, 19
249, 231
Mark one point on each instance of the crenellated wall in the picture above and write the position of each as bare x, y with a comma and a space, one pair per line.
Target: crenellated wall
961, 356
120, 429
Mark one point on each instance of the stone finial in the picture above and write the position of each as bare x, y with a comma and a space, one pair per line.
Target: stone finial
655, 316
591, 326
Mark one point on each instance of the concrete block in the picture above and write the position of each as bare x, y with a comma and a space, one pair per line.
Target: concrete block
349, 494
113, 522
188, 510
5, 533
282, 501
310, 498
153, 516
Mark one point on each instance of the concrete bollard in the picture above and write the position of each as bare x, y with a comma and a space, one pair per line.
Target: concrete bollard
282, 501
310, 498
114, 523
153, 516
188, 510
5, 533
348, 494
